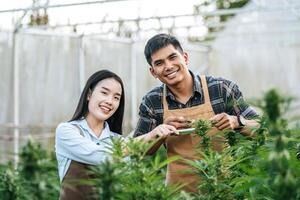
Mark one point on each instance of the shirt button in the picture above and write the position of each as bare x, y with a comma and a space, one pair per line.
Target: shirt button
98, 143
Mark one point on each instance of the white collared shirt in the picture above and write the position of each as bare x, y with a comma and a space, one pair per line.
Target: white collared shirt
71, 145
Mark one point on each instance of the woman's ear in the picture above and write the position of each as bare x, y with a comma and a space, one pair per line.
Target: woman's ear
89, 95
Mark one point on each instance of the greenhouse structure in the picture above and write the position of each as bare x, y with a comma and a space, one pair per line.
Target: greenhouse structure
44, 67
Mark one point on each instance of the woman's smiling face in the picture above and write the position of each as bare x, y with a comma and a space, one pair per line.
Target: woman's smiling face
104, 100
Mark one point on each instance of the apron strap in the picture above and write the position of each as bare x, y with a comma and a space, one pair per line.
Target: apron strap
80, 131
165, 104
205, 89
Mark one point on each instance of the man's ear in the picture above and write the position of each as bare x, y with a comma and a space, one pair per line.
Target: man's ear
152, 72
186, 57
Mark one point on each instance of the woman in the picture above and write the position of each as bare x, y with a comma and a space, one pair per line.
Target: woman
83, 140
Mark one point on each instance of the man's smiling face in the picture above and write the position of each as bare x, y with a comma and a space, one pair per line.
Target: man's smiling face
169, 65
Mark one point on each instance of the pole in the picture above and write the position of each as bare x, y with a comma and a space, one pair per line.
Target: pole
16, 78
133, 85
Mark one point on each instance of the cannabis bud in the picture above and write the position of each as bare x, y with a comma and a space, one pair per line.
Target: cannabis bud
202, 126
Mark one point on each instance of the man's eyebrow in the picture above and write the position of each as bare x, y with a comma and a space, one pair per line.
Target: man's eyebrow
161, 60
158, 61
172, 54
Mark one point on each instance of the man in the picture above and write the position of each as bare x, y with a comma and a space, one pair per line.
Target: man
183, 97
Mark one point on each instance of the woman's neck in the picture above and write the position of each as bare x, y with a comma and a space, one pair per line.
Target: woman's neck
96, 125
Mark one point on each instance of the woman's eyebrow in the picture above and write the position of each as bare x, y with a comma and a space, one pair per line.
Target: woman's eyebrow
105, 88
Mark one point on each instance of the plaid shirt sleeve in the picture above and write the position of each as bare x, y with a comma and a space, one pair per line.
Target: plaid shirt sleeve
147, 120
234, 101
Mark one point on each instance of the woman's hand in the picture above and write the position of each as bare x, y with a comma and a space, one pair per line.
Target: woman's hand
162, 131
159, 134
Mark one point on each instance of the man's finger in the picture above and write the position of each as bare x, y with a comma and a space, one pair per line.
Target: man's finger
170, 119
179, 125
225, 125
175, 119
181, 119
216, 118
221, 122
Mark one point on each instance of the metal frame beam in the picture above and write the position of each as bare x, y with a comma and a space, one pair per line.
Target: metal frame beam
58, 6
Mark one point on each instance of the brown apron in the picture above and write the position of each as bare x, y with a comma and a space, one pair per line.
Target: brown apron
179, 172
71, 188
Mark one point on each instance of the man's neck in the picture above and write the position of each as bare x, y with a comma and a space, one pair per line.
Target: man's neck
184, 90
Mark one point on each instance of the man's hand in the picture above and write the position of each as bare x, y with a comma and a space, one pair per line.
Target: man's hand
223, 121
177, 122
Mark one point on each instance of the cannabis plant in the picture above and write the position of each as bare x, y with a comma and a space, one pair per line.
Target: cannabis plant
34, 178
265, 166
201, 128
219, 171
131, 174
10, 187
280, 177
38, 171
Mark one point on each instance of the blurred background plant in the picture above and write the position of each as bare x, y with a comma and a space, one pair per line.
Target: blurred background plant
35, 177
10, 185
38, 170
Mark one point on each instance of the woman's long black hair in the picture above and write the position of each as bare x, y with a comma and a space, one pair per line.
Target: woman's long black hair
116, 120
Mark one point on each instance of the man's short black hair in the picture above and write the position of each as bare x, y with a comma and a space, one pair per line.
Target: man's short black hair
160, 41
